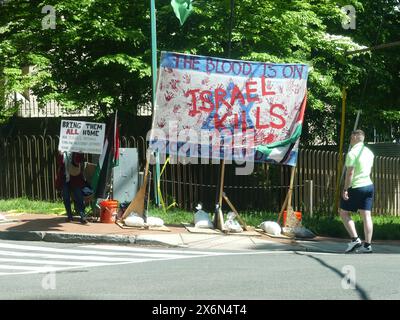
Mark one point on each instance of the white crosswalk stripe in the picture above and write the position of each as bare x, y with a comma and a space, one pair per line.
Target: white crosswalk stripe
28, 259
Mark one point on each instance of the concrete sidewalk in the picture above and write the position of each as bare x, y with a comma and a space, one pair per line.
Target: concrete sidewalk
53, 228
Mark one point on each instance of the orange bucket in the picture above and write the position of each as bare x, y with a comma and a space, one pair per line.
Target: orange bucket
296, 213
108, 211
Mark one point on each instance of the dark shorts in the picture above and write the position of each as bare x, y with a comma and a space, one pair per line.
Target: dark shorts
359, 199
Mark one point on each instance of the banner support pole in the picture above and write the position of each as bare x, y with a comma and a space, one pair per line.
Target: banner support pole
287, 204
154, 85
219, 218
340, 162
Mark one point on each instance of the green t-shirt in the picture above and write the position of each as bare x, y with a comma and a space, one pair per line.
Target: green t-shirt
362, 159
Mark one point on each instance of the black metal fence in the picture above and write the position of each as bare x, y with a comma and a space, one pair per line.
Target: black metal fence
28, 166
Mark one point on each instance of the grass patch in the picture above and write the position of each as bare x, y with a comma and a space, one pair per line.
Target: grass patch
385, 227
178, 216
172, 216
25, 205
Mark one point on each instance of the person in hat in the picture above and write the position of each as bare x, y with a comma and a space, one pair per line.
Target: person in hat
70, 180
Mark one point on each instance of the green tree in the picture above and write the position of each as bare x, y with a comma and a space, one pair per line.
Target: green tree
99, 53
378, 93
277, 31
96, 57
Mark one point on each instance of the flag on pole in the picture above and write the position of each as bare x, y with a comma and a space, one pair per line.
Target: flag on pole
286, 144
283, 149
182, 9
109, 158
115, 149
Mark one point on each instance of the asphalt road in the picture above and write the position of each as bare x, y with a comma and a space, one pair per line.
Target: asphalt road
39, 270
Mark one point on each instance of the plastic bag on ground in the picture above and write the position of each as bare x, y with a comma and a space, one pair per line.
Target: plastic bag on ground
271, 227
232, 225
155, 222
231, 215
134, 220
202, 219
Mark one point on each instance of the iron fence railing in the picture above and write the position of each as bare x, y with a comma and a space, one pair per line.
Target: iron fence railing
30, 108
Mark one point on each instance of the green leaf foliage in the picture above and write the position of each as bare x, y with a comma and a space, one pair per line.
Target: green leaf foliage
98, 55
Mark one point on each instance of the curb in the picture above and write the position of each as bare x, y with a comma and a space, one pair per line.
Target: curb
146, 241
85, 238
63, 237
22, 236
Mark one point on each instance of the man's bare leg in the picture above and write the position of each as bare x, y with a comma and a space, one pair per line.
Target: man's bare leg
368, 225
348, 223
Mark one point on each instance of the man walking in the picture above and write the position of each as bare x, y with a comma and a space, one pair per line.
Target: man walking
358, 192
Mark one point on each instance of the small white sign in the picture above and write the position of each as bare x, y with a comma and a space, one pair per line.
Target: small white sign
81, 136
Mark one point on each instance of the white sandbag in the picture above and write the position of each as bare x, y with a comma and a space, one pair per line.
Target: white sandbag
202, 220
233, 226
231, 215
271, 227
2, 217
205, 224
134, 221
154, 222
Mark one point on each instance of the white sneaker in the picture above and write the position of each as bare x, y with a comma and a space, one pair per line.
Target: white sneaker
365, 249
353, 245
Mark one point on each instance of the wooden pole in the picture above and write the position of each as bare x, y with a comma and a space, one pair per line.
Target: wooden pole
285, 204
137, 204
354, 129
283, 208
241, 221
220, 217
289, 209
340, 163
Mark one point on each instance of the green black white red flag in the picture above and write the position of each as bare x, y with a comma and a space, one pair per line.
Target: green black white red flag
109, 158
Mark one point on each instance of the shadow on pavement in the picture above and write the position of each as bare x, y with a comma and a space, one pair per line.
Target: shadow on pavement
360, 291
43, 224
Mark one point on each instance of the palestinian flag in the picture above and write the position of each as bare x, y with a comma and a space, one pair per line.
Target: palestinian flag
285, 151
115, 146
109, 158
182, 9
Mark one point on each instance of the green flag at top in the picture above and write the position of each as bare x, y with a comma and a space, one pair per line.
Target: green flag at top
182, 9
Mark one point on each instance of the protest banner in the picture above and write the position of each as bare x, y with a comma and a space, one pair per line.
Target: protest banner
228, 109
81, 136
